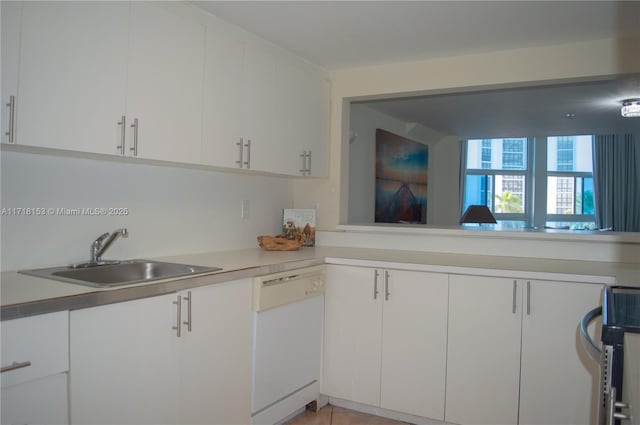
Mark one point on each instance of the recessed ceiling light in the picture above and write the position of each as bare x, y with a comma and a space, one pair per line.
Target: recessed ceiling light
630, 108
570, 115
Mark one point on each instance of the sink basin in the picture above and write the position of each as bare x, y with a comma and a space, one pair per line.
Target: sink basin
122, 273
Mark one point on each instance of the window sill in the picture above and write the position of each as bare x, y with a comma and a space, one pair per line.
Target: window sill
487, 232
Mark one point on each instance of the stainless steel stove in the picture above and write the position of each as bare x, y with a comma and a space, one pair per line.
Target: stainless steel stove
620, 322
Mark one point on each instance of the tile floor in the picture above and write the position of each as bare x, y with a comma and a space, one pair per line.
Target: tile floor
333, 415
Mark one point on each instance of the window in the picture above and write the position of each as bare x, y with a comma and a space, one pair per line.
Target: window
500, 174
570, 201
496, 176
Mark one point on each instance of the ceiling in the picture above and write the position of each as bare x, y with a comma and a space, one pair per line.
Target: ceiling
344, 34
593, 108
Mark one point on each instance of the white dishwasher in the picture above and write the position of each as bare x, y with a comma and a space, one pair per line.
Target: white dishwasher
287, 342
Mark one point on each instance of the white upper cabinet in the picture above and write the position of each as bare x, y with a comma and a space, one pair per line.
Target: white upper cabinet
165, 82
11, 17
259, 92
73, 74
263, 107
85, 65
303, 114
222, 134
159, 80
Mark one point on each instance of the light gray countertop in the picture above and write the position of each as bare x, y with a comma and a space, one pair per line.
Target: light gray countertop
23, 295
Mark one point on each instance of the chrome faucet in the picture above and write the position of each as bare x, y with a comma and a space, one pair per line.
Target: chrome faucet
102, 243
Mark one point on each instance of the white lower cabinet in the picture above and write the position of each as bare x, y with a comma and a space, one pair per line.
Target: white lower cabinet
128, 364
559, 380
514, 354
483, 355
385, 338
42, 401
35, 362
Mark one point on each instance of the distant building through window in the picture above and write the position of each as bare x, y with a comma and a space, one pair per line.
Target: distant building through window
500, 174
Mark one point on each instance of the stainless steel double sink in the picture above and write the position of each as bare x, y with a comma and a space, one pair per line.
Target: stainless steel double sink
111, 274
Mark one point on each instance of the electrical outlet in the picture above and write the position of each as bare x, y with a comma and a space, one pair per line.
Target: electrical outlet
244, 209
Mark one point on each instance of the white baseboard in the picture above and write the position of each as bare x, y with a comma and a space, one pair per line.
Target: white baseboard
385, 413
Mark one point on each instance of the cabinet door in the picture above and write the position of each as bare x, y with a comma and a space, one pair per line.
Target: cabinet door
222, 117
214, 359
258, 104
72, 75
483, 358
42, 401
123, 363
40, 342
303, 115
11, 23
317, 124
165, 81
353, 335
414, 347
559, 381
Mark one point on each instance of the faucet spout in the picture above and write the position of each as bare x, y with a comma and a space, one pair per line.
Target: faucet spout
103, 242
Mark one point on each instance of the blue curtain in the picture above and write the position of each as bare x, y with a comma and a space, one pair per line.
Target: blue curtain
462, 145
617, 182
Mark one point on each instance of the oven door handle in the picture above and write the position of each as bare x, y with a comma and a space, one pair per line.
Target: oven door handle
584, 323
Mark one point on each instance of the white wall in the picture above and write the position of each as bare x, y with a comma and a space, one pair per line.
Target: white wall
442, 207
172, 210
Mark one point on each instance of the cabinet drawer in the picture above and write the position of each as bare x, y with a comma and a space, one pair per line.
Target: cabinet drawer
40, 343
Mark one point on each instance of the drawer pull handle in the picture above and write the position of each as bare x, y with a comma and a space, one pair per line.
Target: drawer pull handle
14, 366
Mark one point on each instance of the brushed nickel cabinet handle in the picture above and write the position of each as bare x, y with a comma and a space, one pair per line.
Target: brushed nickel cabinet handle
375, 284
515, 290
12, 118
240, 145
188, 321
248, 161
528, 298
386, 285
14, 366
178, 325
306, 163
123, 131
303, 170
134, 148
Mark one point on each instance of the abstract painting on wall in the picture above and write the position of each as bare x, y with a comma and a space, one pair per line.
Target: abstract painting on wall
401, 179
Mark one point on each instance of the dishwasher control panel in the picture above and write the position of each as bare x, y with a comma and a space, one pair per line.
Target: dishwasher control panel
278, 289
